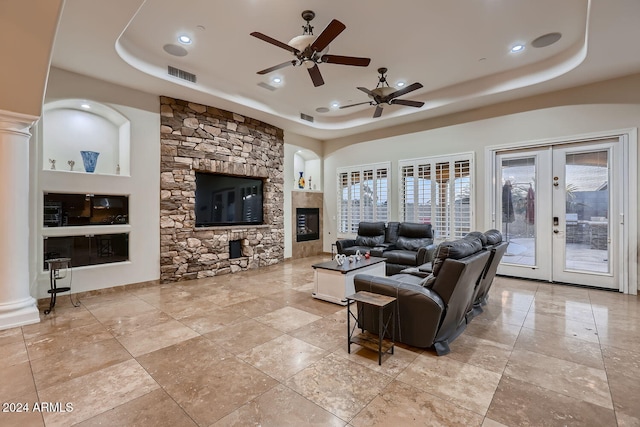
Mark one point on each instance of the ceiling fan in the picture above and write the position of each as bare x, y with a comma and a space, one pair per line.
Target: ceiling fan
385, 94
311, 51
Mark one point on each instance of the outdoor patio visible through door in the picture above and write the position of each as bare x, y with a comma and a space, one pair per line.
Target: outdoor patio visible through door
560, 209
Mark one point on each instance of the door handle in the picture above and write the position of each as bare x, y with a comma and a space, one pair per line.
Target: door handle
556, 231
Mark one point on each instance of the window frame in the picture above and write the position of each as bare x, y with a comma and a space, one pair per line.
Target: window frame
454, 223
348, 220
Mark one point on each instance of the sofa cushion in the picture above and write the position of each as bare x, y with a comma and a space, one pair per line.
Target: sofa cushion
429, 281
370, 234
408, 278
478, 234
412, 229
401, 256
371, 229
456, 249
493, 237
391, 234
412, 243
369, 241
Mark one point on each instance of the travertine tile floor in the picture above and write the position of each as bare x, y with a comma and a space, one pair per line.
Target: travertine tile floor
254, 348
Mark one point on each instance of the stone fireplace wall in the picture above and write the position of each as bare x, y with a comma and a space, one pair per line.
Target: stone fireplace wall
196, 137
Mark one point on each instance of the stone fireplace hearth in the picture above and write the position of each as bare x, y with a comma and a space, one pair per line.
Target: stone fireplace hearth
196, 137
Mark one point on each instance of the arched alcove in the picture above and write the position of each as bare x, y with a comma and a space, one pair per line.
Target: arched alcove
70, 126
308, 162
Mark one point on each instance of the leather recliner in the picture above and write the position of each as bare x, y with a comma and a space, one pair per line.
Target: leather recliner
430, 312
413, 246
371, 235
497, 247
492, 242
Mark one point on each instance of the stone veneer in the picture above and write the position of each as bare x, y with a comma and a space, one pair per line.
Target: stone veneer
196, 137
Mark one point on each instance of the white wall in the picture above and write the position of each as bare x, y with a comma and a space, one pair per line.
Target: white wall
546, 123
292, 166
142, 185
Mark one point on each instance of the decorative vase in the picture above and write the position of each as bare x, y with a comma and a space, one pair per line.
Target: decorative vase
301, 181
89, 158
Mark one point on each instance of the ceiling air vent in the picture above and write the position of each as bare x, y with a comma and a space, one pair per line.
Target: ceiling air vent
306, 117
181, 74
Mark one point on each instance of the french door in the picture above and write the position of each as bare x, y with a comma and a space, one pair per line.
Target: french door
560, 208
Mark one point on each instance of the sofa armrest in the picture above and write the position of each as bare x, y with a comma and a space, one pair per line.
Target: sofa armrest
342, 244
425, 254
418, 310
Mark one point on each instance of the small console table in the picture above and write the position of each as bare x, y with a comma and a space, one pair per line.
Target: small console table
364, 339
55, 265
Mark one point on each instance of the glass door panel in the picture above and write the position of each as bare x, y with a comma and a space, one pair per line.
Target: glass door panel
523, 194
583, 201
518, 209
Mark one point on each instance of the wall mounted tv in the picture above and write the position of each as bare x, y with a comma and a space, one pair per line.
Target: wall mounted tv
227, 200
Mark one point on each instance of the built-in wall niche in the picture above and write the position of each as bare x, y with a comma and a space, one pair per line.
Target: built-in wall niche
307, 164
72, 126
68, 210
87, 250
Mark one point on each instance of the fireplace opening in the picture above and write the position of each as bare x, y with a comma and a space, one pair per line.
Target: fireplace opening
307, 224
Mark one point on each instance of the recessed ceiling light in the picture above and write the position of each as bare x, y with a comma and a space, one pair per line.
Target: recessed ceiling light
335, 104
322, 110
184, 39
517, 48
400, 84
277, 80
87, 106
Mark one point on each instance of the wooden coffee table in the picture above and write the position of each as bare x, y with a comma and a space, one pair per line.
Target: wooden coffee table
334, 282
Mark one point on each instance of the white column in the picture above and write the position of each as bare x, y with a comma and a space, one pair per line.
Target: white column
17, 306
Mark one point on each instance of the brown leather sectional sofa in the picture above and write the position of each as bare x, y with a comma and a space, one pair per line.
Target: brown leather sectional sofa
434, 307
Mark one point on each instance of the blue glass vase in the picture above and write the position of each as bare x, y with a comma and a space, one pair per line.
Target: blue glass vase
89, 158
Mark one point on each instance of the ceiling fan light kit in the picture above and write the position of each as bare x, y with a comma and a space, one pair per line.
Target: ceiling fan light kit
385, 94
310, 50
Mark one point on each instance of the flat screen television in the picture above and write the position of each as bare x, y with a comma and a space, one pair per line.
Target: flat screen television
227, 200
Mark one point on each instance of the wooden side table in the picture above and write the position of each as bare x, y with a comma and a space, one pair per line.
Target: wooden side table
379, 343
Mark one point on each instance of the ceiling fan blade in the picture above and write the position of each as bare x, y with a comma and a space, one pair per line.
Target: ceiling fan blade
378, 112
327, 35
346, 60
367, 91
316, 77
353, 105
275, 42
404, 90
277, 67
407, 102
